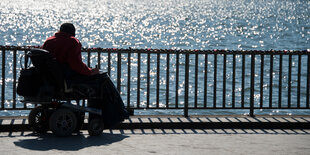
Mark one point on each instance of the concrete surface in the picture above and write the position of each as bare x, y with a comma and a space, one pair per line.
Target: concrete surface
143, 135
8, 124
162, 141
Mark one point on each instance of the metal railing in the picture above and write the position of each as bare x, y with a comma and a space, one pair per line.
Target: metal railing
187, 79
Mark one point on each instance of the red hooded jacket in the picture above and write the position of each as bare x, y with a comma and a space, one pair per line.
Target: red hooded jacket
67, 50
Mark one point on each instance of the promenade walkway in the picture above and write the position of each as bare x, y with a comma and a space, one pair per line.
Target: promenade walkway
193, 122
169, 135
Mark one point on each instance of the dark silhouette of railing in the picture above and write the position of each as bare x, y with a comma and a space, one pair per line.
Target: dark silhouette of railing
188, 79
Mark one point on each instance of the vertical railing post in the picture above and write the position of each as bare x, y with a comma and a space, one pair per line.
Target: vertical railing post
261, 94
167, 80
148, 80
88, 58
206, 83
177, 80
270, 80
289, 81
233, 95
308, 83
138, 79
3, 79
119, 70
243, 81
252, 85
215, 80
280, 81
98, 60
109, 62
157, 80
186, 85
196, 80
26, 60
298, 81
128, 79
224, 80
14, 79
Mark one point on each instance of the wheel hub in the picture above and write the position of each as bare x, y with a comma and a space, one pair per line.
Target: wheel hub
64, 123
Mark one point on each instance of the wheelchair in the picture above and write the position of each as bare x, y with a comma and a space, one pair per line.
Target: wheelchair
58, 106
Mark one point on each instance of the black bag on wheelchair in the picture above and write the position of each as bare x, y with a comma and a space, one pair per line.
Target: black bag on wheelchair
43, 79
29, 82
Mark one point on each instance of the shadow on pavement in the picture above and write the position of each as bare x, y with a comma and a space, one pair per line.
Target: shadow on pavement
47, 142
212, 131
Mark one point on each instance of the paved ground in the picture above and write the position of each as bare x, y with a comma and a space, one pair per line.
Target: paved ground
179, 122
140, 135
162, 141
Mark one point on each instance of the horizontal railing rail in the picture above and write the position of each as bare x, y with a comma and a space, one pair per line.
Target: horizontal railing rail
187, 79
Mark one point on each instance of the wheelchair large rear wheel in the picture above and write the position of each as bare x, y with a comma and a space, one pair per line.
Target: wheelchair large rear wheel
63, 122
38, 119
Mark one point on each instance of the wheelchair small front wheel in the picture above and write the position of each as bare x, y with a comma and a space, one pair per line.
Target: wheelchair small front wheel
63, 122
95, 126
38, 119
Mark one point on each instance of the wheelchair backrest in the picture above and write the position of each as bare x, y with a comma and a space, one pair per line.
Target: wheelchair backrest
40, 58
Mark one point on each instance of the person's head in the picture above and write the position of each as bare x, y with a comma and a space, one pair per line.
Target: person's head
68, 28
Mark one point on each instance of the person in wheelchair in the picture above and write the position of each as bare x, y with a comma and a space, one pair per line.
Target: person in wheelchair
67, 50
102, 92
